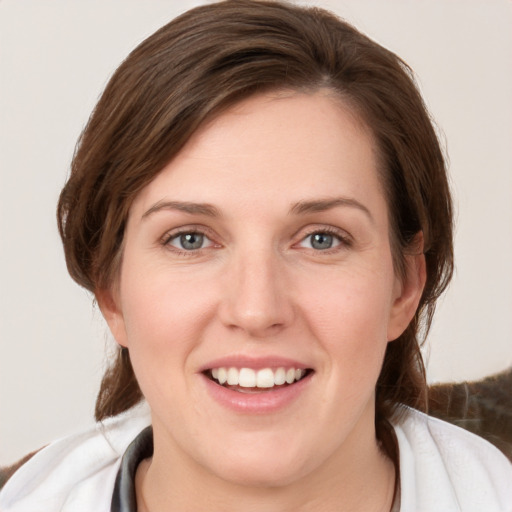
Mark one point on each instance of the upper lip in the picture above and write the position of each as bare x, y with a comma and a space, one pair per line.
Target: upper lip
256, 363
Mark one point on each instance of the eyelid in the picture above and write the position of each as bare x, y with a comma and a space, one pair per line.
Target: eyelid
188, 229
345, 239
173, 241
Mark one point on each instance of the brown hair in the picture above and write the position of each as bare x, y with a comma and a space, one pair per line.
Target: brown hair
203, 62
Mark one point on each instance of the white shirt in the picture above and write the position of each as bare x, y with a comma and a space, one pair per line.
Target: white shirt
442, 469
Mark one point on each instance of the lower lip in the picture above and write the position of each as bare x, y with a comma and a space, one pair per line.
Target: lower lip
264, 402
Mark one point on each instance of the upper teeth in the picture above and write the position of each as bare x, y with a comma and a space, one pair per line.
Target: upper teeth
264, 378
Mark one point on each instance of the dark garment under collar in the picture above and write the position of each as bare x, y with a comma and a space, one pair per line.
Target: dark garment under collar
123, 498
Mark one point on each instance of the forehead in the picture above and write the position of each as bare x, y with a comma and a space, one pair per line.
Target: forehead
273, 148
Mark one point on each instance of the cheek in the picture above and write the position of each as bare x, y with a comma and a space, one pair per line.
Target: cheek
164, 317
349, 317
350, 304
160, 306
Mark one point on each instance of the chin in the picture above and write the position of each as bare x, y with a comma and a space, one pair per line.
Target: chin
263, 468
261, 476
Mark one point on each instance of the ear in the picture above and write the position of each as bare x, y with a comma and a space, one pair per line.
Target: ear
408, 290
111, 311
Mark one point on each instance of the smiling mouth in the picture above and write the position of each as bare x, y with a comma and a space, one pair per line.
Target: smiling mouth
247, 380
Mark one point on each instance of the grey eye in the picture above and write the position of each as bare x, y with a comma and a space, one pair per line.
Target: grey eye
321, 241
188, 241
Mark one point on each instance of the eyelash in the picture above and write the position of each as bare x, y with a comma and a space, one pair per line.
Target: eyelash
344, 240
192, 230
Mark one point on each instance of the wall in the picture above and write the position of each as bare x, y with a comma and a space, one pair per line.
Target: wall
55, 58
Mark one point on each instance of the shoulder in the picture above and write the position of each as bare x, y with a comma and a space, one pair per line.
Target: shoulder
76, 473
444, 465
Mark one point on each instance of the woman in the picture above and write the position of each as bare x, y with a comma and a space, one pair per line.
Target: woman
260, 205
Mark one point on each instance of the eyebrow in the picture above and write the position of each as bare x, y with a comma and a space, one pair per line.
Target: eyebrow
300, 208
183, 206
322, 205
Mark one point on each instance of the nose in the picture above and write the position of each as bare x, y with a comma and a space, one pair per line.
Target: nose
256, 298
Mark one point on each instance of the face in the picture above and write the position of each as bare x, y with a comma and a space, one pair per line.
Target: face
257, 293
